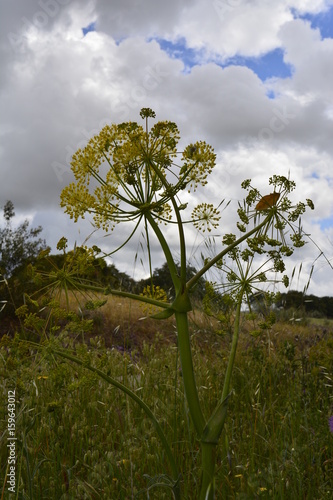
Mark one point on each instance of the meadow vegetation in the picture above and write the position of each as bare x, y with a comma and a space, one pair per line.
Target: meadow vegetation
79, 437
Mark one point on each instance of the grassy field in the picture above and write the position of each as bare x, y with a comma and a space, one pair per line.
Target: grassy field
80, 438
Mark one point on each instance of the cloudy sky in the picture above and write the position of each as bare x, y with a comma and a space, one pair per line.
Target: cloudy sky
254, 78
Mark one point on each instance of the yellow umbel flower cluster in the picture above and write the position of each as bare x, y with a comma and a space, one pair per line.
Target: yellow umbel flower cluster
199, 161
126, 172
153, 292
205, 216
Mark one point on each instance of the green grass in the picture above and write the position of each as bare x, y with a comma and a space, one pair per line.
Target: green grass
328, 323
80, 438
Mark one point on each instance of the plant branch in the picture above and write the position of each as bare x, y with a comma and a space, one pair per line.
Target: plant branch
213, 261
128, 295
216, 422
166, 250
135, 398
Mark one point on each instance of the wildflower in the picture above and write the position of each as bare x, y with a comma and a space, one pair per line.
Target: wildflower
125, 462
154, 292
54, 405
141, 177
204, 216
198, 163
330, 423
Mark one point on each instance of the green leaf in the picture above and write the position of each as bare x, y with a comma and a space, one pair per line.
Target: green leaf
166, 313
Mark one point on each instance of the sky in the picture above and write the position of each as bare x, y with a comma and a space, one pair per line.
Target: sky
253, 78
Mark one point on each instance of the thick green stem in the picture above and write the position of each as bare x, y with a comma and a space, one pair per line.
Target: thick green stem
208, 457
190, 386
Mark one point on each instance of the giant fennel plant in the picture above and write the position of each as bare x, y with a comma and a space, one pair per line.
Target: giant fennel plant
134, 175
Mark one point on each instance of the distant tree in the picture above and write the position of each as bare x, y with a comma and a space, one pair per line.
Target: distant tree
17, 245
162, 278
291, 300
258, 303
111, 277
311, 305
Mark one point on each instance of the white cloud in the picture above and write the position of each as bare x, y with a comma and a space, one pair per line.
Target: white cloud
58, 88
311, 58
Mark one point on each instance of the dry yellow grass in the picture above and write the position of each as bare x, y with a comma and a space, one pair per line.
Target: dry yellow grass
124, 323
121, 321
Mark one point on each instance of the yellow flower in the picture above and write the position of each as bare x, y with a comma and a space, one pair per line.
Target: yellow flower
204, 216
199, 161
126, 172
154, 292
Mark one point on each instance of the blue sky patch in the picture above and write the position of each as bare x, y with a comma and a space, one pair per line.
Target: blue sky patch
270, 94
179, 50
326, 223
90, 27
322, 21
267, 66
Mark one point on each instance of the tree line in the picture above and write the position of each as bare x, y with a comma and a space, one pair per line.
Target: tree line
310, 305
23, 246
